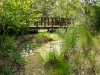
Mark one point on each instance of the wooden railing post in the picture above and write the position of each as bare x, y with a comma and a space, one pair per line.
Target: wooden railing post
41, 20
66, 21
37, 26
52, 22
60, 22
55, 21
44, 22
48, 22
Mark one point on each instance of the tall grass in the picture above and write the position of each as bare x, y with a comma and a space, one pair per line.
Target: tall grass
78, 51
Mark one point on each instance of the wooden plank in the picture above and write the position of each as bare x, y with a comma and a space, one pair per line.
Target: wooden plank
42, 27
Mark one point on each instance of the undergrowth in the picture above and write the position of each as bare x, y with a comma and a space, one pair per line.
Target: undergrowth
78, 52
10, 57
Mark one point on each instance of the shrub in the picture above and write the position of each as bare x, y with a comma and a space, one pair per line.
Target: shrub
7, 71
16, 16
10, 56
94, 18
7, 45
16, 57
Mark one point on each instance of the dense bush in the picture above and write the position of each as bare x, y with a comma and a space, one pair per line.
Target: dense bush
94, 18
16, 15
7, 45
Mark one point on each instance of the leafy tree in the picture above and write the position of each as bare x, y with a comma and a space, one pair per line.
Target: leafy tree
91, 14
16, 15
44, 6
94, 18
67, 8
59, 8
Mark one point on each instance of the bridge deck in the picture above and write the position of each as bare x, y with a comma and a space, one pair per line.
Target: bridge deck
51, 23
47, 26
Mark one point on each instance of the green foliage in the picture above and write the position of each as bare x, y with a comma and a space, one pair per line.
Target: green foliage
69, 41
10, 52
16, 57
16, 15
67, 8
57, 63
94, 18
91, 15
10, 48
58, 8
8, 71
43, 37
61, 32
44, 7
7, 45
52, 57
78, 47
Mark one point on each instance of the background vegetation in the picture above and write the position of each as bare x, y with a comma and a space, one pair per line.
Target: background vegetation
79, 45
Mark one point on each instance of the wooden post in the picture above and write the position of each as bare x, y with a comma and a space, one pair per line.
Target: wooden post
66, 22
44, 22
55, 21
52, 23
41, 20
36, 26
60, 22
48, 21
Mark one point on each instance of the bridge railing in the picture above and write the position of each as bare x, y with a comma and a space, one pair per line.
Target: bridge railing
52, 21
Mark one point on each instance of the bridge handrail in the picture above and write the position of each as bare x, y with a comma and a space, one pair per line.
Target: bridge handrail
50, 21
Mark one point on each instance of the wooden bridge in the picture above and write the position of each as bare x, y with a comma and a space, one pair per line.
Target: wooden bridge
51, 23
